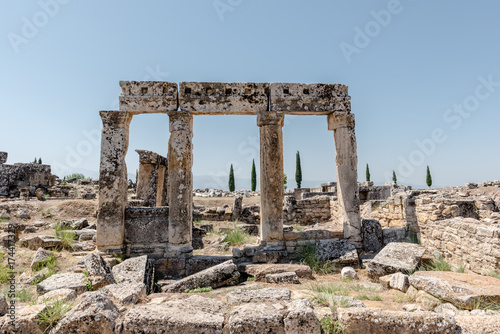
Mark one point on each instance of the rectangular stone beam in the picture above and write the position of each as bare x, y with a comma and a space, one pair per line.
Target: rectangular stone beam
309, 99
113, 181
146, 97
218, 98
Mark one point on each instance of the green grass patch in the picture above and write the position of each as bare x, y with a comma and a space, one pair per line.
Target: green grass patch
250, 279
52, 314
373, 298
4, 219
237, 236
197, 290
25, 295
50, 263
404, 298
437, 264
330, 326
88, 283
494, 274
4, 274
307, 256
66, 235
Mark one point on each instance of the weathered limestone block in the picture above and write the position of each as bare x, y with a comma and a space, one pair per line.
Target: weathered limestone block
395, 257
65, 295
139, 97
260, 295
223, 98
399, 282
338, 251
35, 242
147, 226
136, 270
113, 181
151, 181
373, 238
98, 271
378, 321
346, 158
73, 281
237, 207
180, 189
348, 273
309, 99
26, 321
301, 318
256, 318
260, 271
3, 157
192, 315
125, 293
283, 278
271, 176
93, 312
214, 277
463, 290
468, 324
39, 258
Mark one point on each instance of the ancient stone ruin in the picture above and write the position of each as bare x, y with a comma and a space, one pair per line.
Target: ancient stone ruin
23, 179
162, 231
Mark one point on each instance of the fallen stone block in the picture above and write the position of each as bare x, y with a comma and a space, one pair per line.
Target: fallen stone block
348, 273
256, 318
65, 295
259, 271
40, 257
395, 257
195, 314
378, 321
261, 295
338, 251
34, 242
283, 278
301, 318
93, 312
73, 281
135, 270
26, 321
489, 324
125, 293
214, 277
98, 271
466, 291
399, 282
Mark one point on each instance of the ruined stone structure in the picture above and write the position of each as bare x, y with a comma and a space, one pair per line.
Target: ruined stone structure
270, 103
152, 179
23, 177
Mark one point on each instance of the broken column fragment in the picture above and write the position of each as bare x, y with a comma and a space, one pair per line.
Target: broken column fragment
346, 159
113, 181
151, 180
180, 180
271, 177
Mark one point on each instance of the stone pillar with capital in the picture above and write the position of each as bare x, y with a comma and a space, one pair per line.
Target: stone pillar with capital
180, 184
346, 159
113, 181
271, 177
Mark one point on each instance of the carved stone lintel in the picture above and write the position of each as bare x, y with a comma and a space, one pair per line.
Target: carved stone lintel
340, 120
270, 118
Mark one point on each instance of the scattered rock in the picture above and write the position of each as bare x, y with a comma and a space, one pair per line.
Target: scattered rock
399, 282
256, 318
34, 242
87, 235
77, 224
214, 277
93, 313
135, 270
301, 318
261, 295
73, 281
373, 238
338, 251
346, 301
462, 290
126, 293
98, 271
348, 273
283, 278
59, 294
395, 257
192, 315
378, 321
22, 214
84, 246
26, 321
478, 324
39, 258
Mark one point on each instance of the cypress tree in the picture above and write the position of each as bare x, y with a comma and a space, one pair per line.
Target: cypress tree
231, 179
254, 176
298, 170
367, 173
34, 161
394, 178
39, 161
428, 178
285, 180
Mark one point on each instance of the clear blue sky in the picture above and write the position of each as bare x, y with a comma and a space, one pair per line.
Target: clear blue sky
425, 67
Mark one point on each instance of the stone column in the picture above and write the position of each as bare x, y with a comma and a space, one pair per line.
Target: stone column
271, 177
346, 158
180, 185
112, 181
